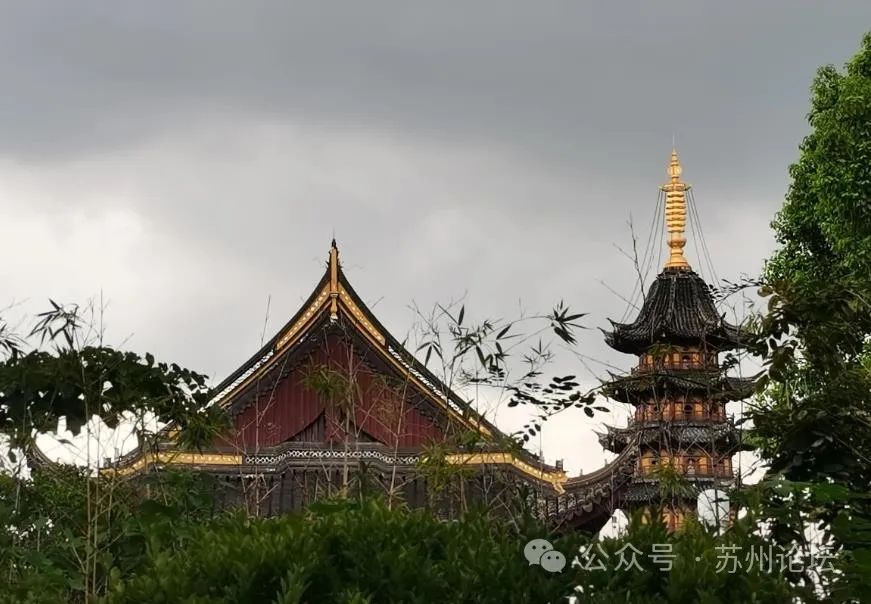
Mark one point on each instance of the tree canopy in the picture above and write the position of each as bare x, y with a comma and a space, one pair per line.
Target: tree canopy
814, 423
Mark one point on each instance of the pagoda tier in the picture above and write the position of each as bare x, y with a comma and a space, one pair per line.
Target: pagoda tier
641, 492
722, 434
643, 387
679, 309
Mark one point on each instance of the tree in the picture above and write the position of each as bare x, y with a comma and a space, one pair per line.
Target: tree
72, 374
64, 525
814, 423
367, 552
67, 532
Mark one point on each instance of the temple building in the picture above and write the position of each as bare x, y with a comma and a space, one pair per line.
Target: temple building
334, 403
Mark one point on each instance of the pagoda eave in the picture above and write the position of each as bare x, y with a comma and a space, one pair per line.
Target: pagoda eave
723, 435
678, 309
641, 387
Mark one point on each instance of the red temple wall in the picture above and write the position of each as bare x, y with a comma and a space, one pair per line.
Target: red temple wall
378, 406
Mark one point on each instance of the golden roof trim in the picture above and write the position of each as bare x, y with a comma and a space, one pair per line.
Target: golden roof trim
556, 478
176, 458
334, 281
311, 312
357, 315
375, 337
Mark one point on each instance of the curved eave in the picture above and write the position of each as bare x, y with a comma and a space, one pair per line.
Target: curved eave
626, 339
651, 490
678, 309
332, 296
228, 385
722, 433
714, 386
589, 499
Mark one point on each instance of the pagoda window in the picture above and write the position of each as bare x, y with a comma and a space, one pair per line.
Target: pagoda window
691, 465
649, 462
686, 361
688, 411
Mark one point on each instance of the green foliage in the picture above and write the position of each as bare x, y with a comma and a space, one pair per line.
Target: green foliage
346, 552
692, 565
77, 377
336, 387
365, 552
480, 356
814, 424
39, 387
67, 533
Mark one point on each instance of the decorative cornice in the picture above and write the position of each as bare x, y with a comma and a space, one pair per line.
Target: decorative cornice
174, 458
556, 478
275, 459
310, 313
358, 316
180, 458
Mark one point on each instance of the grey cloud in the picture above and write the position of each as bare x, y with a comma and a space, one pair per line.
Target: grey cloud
494, 148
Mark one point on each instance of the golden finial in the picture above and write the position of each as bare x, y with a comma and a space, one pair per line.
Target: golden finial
675, 213
334, 280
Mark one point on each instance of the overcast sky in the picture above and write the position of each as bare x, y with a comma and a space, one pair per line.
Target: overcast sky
191, 159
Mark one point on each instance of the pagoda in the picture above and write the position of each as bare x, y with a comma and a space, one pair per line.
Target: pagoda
679, 436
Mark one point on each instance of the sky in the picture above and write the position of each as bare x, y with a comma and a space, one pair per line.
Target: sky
188, 162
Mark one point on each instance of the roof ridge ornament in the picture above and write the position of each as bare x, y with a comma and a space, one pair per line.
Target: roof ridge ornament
334, 281
675, 213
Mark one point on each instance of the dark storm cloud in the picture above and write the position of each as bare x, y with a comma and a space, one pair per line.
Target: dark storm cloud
583, 78
191, 158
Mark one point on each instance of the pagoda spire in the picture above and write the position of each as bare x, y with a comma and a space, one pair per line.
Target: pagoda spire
675, 213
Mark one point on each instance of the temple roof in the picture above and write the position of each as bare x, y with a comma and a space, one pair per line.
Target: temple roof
661, 382
335, 301
334, 307
679, 309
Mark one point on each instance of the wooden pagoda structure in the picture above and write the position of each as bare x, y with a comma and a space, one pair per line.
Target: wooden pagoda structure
680, 433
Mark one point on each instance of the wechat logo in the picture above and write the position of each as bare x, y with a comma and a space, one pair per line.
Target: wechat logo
541, 552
